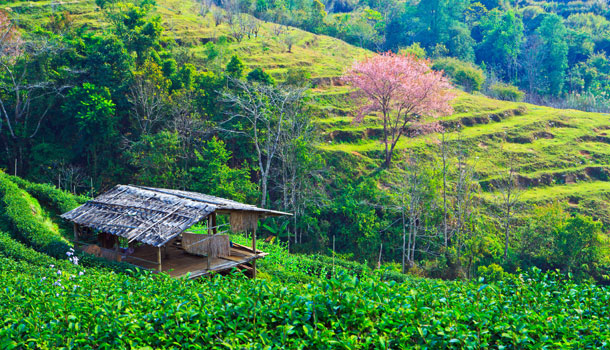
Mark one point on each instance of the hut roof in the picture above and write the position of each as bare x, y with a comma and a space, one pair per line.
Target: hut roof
152, 215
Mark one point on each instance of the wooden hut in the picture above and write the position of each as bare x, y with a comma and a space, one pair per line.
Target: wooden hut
148, 226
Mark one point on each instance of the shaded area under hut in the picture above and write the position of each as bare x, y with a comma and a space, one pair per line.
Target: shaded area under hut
147, 227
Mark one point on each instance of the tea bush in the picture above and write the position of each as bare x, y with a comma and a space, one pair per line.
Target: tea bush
50, 196
43, 308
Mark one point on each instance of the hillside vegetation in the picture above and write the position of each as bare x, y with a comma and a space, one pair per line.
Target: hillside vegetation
52, 302
161, 81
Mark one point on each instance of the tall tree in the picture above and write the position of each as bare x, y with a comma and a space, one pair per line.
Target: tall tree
261, 112
403, 89
30, 84
502, 34
553, 34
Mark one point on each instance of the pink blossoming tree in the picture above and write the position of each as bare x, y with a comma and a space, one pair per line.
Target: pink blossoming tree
403, 89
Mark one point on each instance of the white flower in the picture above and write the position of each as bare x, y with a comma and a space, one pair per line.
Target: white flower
81, 273
51, 266
69, 253
59, 272
43, 279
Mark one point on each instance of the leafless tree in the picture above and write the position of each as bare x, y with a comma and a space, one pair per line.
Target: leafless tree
412, 192
509, 198
288, 40
239, 27
70, 177
187, 124
27, 93
232, 8
465, 205
263, 109
278, 29
148, 98
531, 60
218, 15
204, 6
300, 169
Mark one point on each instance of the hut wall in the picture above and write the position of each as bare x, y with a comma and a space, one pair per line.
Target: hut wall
207, 245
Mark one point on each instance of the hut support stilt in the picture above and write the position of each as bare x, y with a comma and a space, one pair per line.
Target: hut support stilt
159, 259
254, 250
76, 229
116, 248
214, 228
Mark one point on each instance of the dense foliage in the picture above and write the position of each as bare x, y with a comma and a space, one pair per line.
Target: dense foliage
70, 300
59, 308
128, 100
541, 46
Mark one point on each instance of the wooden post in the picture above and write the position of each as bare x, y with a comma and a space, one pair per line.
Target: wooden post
255, 255
333, 273
159, 259
76, 229
116, 248
214, 228
209, 224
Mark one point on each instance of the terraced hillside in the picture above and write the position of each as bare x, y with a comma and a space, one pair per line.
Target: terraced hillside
561, 154
324, 57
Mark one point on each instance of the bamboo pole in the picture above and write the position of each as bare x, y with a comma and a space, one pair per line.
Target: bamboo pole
333, 273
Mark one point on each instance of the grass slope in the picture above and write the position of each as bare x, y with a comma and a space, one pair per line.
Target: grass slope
561, 154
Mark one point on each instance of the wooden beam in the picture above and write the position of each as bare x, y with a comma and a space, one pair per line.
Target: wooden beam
215, 228
254, 250
76, 232
116, 248
159, 259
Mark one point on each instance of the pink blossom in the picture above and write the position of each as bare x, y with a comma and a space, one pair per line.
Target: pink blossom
403, 89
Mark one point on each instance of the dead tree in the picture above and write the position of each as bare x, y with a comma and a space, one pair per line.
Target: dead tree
148, 96
509, 199
27, 90
263, 109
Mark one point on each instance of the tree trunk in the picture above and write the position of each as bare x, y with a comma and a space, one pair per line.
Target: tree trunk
506, 233
404, 241
263, 190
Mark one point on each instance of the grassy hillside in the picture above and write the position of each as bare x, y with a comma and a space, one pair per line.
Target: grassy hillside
559, 154
562, 154
323, 56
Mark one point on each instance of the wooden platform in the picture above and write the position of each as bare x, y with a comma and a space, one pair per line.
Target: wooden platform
177, 262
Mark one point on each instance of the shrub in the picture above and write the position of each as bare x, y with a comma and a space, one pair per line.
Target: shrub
414, 49
115, 311
464, 74
49, 195
492, 273
23, 217
505, 92
260, 76
297, 77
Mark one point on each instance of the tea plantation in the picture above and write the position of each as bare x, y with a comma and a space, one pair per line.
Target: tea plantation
51, 300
